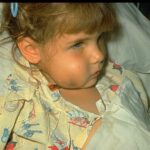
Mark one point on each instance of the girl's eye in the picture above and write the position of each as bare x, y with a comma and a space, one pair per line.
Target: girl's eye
77, 45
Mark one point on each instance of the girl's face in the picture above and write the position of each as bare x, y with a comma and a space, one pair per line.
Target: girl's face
73, 60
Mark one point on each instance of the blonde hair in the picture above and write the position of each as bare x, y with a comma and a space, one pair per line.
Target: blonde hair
43, 21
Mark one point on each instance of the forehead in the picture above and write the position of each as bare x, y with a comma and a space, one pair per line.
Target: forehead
84, 17
74, 37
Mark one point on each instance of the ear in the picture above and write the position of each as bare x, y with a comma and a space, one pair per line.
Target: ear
29, 50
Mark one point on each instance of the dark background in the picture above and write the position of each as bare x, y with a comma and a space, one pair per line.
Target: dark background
144, 8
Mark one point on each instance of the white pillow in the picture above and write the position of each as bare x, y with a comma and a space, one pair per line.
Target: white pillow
132, 46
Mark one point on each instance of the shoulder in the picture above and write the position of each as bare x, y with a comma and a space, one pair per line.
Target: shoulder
14, 83
6, 65
116, 75
117, 72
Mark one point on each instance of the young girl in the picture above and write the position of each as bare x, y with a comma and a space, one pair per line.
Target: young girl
57, 95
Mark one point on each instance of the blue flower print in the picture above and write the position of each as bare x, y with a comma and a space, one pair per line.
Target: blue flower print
55, 96
28, 132
5, 135
12, 84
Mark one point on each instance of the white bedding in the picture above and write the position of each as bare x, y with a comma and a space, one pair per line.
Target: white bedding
131, 48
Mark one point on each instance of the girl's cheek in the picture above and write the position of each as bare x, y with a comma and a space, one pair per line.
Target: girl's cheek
78, 65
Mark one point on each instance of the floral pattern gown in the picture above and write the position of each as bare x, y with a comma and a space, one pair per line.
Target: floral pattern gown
35, 118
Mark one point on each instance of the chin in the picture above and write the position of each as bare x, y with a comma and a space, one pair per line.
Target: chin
92, 83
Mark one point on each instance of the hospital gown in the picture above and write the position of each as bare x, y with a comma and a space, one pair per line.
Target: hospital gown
35, 118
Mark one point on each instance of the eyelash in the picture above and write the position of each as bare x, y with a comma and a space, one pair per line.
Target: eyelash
77, 45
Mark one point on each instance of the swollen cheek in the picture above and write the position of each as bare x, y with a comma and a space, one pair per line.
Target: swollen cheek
76, 68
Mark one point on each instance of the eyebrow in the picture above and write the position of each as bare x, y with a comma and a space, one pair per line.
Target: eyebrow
78, 40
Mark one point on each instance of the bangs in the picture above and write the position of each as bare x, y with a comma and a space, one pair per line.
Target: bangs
88, 18
42, 21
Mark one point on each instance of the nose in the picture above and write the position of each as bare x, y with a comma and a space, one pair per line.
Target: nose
97, 55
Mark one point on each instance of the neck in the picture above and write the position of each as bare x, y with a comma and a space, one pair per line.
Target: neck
84, 98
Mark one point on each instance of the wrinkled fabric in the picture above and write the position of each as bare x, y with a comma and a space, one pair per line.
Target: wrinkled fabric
126, 125
130, 44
